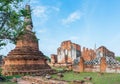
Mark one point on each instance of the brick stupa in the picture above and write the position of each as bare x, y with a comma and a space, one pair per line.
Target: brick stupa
26, 57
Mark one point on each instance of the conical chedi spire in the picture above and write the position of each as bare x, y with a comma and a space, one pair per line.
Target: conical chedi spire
28, 19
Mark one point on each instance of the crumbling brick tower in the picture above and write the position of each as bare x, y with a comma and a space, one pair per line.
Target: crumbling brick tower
26, 57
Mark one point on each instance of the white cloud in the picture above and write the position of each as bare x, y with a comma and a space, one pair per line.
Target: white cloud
41, 14
72, 17
44, 12
34, 1
40, 11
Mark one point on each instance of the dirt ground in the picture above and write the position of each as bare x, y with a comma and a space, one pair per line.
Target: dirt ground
20, 81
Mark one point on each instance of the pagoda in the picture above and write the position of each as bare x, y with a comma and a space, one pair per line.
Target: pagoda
26, 57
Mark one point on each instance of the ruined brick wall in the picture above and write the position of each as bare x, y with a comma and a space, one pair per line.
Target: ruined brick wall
68, 52
88, 54
53, 58
104, 52
98, 60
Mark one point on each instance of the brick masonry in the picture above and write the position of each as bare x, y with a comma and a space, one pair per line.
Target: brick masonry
87, 60
26, 58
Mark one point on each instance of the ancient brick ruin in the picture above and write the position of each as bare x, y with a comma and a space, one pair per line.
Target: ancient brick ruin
53, 58
67, 53
88, 60
88, 54
26, 57
99, 60
70, 52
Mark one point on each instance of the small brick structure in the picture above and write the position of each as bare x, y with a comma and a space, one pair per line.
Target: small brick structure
53, 58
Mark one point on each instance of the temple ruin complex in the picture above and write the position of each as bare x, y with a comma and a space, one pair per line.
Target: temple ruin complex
89, 60
70, 52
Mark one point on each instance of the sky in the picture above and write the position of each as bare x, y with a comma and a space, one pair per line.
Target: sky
85, 22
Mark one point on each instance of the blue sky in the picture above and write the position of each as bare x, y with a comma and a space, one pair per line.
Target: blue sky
85, 22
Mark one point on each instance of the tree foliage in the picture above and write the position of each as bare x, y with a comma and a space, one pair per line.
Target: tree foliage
11, 20
47, 57
118, 58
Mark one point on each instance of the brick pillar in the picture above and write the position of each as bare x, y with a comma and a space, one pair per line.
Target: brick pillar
83, 52
94, 54
81, 64
53, 58
103, 64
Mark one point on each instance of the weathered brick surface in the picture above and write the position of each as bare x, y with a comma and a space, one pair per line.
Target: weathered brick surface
53, 58
26, 57
103, 64
88, 54
105, 52
68, 52
81, 64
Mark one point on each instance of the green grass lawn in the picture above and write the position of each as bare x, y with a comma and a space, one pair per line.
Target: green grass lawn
7, 83
106, 78
8, 78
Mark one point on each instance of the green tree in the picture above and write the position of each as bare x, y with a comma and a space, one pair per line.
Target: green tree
11, 20
118, 58
47, 58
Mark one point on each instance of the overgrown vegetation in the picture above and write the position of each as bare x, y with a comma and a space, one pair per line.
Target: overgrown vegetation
118, 58
11, 20
47, 58
0, 71
8, 78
